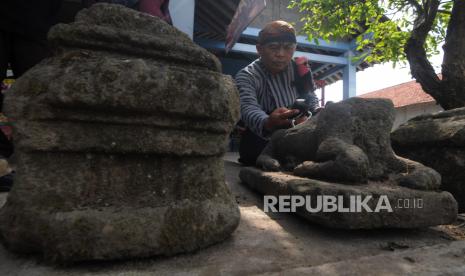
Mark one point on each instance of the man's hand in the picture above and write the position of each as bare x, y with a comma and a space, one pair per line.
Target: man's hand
279, 118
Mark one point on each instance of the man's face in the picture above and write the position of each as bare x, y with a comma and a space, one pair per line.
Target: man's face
276, 55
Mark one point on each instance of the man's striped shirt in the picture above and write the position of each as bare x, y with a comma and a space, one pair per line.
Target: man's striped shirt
262, 92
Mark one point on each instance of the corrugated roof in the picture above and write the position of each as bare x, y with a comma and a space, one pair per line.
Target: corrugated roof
404, 94
212, 17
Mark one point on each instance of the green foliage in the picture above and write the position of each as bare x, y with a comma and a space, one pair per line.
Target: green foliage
380, 27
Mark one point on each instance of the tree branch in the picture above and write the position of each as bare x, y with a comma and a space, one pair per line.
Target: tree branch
444, 12
417, 6
420, 67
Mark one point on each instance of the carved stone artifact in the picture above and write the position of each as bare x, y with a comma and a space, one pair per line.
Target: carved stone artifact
346, 151
119, 139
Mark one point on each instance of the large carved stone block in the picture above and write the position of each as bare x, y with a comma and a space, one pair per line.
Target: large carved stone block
119, 138
438, 141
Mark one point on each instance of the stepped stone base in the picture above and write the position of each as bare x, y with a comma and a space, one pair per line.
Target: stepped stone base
436, 207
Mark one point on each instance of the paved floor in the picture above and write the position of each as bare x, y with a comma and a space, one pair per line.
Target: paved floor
282, 244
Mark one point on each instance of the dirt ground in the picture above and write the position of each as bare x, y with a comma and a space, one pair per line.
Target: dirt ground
455, 230
284, 244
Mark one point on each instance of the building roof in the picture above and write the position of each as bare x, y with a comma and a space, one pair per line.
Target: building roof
404, 94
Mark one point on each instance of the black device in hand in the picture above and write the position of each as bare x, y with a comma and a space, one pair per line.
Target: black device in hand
302, 107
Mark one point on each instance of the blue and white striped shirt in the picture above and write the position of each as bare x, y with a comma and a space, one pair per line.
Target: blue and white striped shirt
262, 92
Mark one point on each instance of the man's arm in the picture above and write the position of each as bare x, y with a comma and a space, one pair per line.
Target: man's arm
252, 113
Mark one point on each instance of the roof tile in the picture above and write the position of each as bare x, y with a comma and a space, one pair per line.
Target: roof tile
404, 94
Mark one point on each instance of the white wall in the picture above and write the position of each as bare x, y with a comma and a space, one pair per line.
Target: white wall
405, 113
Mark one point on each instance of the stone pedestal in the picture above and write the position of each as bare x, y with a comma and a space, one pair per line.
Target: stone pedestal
409, 208
119, 139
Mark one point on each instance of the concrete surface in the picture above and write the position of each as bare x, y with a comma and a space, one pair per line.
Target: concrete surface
441, 259
282, 244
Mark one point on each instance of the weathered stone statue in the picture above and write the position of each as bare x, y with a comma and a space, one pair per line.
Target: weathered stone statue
348, 143
438, 141
119, 139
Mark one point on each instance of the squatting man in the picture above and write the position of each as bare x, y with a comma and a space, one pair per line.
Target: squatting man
269, 88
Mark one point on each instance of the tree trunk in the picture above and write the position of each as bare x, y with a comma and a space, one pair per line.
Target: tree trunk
450, 91
453, 65
420, 67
